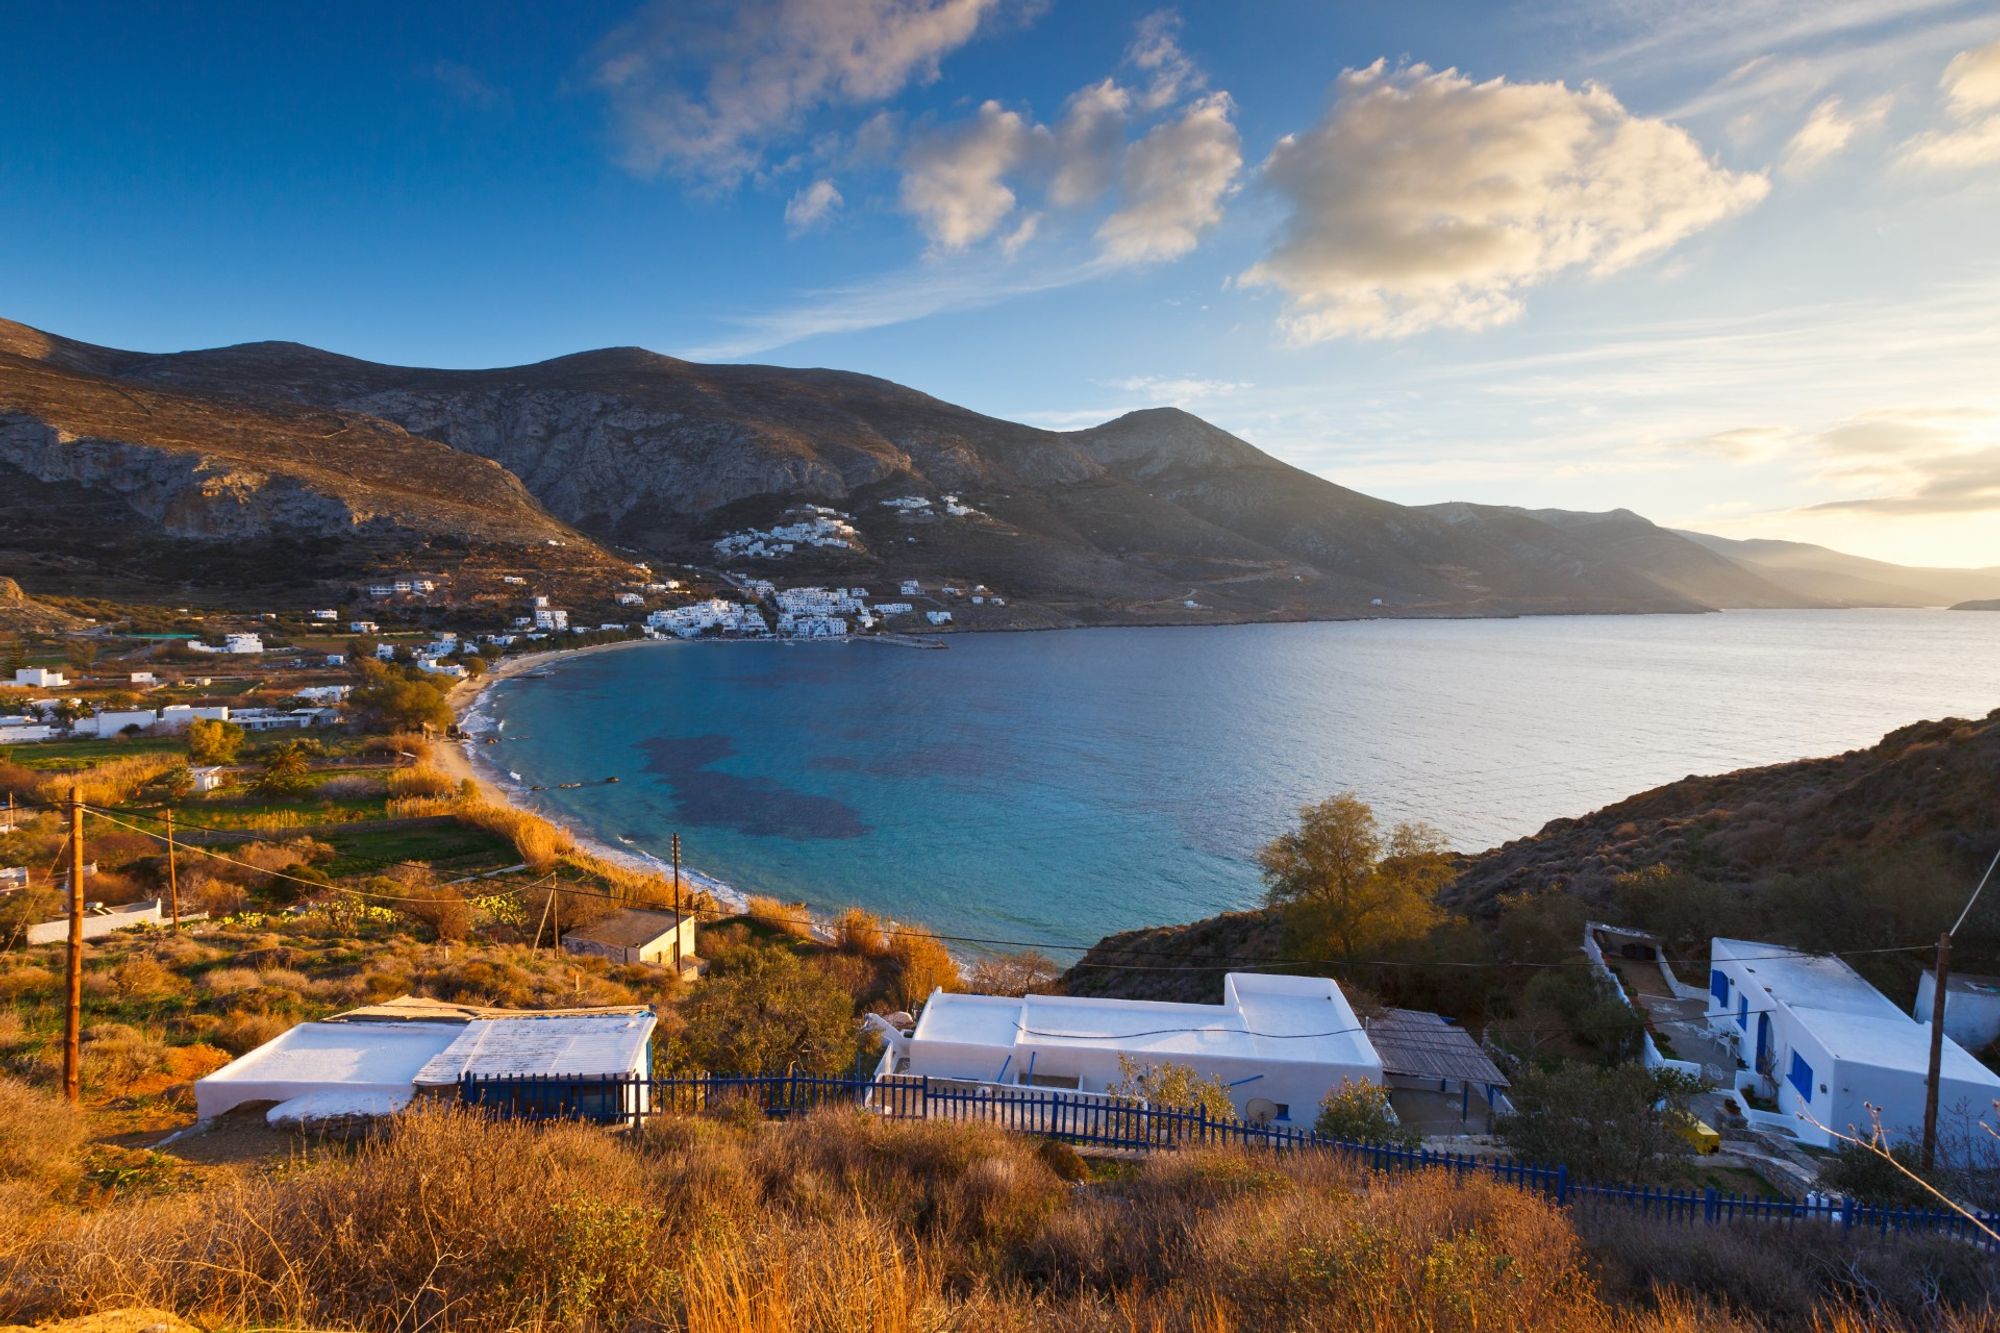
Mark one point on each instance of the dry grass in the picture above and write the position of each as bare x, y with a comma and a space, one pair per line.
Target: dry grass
109, 782
784, 918
837, 1221
422, 780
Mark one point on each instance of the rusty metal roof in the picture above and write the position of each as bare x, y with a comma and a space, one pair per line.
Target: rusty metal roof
1422, 1045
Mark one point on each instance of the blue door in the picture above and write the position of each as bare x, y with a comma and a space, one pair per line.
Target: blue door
1763, 1043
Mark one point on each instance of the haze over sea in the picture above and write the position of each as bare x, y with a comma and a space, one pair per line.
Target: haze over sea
1058, 786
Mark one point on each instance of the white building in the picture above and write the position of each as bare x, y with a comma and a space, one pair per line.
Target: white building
1280, 1043
326, 613
547, 617
178, 717
144, 678
114, 720
373, 1061
362, 627
1826, 1046
39, 678
938, 617
1971, 1007
208, 778
912, 588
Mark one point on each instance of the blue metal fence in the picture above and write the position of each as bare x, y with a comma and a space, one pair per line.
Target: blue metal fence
1117, 1123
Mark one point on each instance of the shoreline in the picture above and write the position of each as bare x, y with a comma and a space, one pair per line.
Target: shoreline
462, 759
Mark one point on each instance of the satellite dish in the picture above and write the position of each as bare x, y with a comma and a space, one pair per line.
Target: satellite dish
1261, 1110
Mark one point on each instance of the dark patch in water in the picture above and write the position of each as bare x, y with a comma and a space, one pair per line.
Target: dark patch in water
758, 807
837, 763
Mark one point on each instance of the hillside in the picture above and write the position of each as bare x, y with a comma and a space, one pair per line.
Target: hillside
1882, 842
224, 456
105, 484
1838, 579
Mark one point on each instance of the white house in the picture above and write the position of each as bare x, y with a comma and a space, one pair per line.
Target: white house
938, 617
1822, 1043
1971, 1007
1281, 1043
144, 678
634, 936
39, 678
208, 777
178, 717
373, 1061
112, 721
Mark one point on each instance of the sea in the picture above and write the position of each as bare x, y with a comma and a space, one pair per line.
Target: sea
1048, 788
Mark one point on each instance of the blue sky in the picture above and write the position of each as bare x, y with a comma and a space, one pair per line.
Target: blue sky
1733, 265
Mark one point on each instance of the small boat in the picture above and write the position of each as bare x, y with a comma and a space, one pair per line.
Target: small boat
567, 785
611, 779
512, 774
538, 787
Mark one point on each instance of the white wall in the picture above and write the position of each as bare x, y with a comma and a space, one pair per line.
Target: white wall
1972, 1019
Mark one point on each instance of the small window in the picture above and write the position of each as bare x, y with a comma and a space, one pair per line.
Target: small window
1743, 1012
1801, 1076
1284, 1111
1718, 986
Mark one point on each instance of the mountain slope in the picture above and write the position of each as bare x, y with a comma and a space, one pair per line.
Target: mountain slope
1839, 579
109, 478
1156, 517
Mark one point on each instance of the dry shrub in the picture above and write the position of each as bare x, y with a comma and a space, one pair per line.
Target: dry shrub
112, 782
857, 931
146, 980
214, 895
352, 786
229, 980
539, 842
270, 856
422, 780
785, 918
27, 979
923, 965
41, 1138
241, 1033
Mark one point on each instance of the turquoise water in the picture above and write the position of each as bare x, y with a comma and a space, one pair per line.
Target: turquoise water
1056, 786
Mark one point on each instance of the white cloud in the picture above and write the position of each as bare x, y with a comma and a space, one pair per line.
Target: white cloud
954, 182
1423, 200
1828, 130
1023, 232
1919, 463
812, 206
1087, 144
1177, 390
702, 88
1156, 52
1174, 181
1971, 85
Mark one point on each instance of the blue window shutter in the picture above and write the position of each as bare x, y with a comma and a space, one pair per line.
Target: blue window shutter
1743, 1012
1718, 986
1801, 1076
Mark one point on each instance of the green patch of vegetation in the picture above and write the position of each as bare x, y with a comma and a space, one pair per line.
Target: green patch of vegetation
55, 756
445, 844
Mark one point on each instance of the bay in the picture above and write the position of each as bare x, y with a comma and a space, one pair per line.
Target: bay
1052, 787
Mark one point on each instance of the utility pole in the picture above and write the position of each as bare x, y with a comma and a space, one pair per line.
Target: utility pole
73, 1010
1935, 1075
677, 907
173, 877
1937, 1049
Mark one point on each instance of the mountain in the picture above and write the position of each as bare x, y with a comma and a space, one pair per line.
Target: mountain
1985, 604
111, 485
244, 464
1836, 579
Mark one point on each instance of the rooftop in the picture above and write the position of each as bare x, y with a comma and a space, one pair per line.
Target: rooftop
631, 928
1801, 980
1302, 1020
1425, 1045
583, 1044
1898, 1042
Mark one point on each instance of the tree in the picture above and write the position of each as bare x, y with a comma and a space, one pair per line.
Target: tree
400, 697
81, 653
763, 1011
1342, 886
1172, 1086
1360, 1113
287, 772
1603, 1124
214, 742
178, 783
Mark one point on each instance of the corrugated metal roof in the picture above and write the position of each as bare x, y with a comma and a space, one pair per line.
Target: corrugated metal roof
1421, 1045
628, 929
580, 1045
423, 1009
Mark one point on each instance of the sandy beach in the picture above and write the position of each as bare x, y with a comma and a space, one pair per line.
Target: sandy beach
464, 760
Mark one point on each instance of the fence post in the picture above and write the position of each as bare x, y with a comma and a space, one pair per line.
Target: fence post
1562, 1184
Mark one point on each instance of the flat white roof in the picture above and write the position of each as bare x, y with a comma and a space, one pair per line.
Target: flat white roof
1801, 980
1899, 1043
1272, 1019
580, 1044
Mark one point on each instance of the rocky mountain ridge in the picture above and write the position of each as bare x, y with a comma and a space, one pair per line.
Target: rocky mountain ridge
1156, 517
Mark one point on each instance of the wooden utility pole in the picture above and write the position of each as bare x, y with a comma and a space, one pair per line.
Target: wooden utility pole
1937, 1049
677, 907
73, 1010
173, 876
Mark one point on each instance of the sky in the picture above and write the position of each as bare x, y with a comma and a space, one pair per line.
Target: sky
1733, 264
